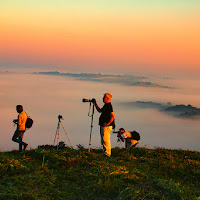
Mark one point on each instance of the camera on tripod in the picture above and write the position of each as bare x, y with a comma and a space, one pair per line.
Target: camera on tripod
60, 144
60, 117
92, 115
89, 100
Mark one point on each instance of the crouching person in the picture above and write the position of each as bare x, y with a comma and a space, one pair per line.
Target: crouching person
19, 133
131, 138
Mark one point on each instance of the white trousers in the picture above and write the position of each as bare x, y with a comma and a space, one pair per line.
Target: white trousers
105, 139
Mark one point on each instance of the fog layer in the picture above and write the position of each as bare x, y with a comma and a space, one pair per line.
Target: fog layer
46, 97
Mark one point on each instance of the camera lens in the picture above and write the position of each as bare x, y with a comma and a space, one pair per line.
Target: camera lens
86, 100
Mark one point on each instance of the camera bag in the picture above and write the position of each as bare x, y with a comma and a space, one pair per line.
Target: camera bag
135, 135
29, 122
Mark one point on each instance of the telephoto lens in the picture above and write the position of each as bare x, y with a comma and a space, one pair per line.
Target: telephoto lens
87, 100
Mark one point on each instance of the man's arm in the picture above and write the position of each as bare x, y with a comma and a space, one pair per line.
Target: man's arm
120, 137
19, 120
97, 107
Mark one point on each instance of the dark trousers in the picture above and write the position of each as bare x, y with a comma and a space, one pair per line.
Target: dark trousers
18, 137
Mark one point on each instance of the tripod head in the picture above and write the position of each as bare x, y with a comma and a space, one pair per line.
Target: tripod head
60, 117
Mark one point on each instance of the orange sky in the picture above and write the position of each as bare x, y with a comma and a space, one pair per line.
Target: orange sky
126, 36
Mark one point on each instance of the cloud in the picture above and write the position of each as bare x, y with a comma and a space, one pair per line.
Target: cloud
114, 79
146, 105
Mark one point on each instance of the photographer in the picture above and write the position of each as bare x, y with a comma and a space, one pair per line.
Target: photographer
19, 133
106, 122
130, 138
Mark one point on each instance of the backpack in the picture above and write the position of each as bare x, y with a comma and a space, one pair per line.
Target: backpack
135, 135
29, 122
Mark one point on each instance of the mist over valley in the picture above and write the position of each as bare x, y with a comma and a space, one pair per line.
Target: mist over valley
143, 109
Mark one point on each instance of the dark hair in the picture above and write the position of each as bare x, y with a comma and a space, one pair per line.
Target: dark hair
19, 108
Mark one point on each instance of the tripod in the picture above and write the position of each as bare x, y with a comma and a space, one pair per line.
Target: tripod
91, 125
58, 132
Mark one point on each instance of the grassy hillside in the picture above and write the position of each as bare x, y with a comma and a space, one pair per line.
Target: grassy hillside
140, 173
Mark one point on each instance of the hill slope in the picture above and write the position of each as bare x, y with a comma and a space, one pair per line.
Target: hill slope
139, 173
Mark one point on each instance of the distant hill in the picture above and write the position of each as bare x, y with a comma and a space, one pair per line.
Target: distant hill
185, 111
106, 78
190, 114
182, 108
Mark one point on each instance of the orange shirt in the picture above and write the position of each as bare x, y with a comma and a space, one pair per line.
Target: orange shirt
22, 117
127, 135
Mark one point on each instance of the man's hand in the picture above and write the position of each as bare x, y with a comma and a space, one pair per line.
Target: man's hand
15, 121
94, 101
120, 136
105, 124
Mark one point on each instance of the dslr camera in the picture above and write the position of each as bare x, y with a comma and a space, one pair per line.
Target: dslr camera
89, 100
60, 117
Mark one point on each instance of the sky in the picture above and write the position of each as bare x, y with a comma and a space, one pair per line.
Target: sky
101, 35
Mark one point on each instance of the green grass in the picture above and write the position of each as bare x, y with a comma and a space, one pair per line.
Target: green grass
139, 173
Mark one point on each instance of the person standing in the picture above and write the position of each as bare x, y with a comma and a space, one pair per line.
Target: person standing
106, 122
19, 133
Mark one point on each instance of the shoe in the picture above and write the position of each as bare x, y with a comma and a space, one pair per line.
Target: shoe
106, 155
25, 146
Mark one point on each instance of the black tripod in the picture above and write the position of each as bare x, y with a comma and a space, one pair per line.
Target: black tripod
91, 125
58, 132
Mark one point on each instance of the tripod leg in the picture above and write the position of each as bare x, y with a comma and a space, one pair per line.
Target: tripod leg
58, 134
55, 136
91, 128
67, 135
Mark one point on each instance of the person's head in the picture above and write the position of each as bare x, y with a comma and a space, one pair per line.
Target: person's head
121, 130
19, 108
107, 97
